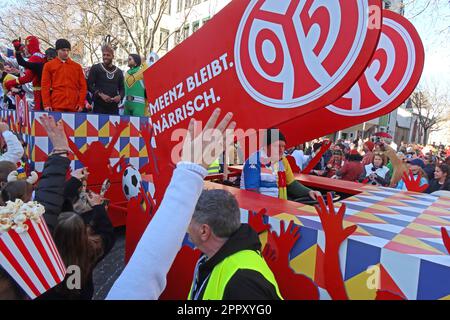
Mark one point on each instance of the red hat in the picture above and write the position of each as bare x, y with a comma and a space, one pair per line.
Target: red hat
353, 152
32, 44
370, 145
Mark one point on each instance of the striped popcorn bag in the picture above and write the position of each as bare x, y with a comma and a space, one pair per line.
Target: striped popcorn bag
27, 251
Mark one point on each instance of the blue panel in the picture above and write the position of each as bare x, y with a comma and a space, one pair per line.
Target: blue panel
123, 141
102, 120
434, 281
80, 118
308, 238
80, 141
104, 140
395, 222
360, 256
383, 234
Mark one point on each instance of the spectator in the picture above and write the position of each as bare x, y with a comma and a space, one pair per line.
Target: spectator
135, 97
416, 166
299, 156
63, 83
352, 168
231, 267
144, 277
430, 165
376, 173
14, 149
106, 84
8, 100
336, 162
441, 179
268, 171
78, 243
368, 147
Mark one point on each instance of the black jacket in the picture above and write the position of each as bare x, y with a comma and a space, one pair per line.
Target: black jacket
245, 284
51, 192
50, 189
435, 186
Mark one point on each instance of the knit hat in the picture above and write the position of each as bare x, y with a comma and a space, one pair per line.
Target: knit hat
417, 162
137, 59
62, 44
353, 152
370, 145
273, 133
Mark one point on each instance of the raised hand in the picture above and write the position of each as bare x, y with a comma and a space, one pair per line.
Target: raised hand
413, 184
445, 239
332, 221
256, 221
17, 43
197, 149
55, 132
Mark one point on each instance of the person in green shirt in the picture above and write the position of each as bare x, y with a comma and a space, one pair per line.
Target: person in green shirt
135, 97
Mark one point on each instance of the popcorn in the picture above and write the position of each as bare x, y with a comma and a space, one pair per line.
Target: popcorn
15, 214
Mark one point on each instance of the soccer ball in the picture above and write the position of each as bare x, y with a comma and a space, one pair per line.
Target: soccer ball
131, 182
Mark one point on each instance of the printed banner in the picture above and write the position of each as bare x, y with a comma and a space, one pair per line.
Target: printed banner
266, 61
388, 81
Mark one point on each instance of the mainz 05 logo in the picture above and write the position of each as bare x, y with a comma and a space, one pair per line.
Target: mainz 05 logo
387, 76
290, 53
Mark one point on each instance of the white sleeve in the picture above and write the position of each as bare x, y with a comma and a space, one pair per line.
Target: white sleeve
144, 277
14, 151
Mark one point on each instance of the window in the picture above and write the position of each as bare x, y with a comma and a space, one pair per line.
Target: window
195, 26
188, 4
168, 4
196, 2
177, 37
205, 20
185, 32
164, 39
387, 4
179, 5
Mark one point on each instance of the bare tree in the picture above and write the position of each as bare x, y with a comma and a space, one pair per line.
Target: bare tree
431, 108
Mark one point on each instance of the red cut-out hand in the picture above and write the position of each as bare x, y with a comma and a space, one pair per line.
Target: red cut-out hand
292, 286
446, 239
120, 126
335, 234
123, 165
325, 146
256, 221
332, 221
413, 184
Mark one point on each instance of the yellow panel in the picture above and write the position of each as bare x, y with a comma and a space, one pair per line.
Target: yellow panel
445, 298
438, 209
305, 263
369, 216
383, 208
357, 288
439, 221
126, 132
414, 242
143, 152
104, 131
81, 131
421, 227
125, 151
286, 217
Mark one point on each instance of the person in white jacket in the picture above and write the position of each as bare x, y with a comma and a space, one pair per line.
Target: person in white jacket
14, 149
144, 277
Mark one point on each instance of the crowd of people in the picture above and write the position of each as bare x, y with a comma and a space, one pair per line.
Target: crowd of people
377, 162
60, 84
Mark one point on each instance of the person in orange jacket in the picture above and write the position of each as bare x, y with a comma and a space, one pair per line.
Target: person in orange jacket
64, 87
36, 56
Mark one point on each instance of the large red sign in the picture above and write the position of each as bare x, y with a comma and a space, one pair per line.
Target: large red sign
388, 81
266, 61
